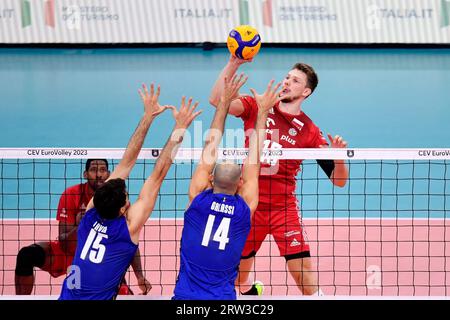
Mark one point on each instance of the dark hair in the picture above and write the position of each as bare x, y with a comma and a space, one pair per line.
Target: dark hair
88, 163
110, 197
311, 75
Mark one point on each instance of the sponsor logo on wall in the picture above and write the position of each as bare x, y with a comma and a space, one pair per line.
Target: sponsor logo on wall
6, 13
72, 15
266, 7
405, 13
26, 12
202, 13
286, 12
271, 16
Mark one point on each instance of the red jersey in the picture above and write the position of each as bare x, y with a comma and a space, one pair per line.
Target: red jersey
277, 181
73, 200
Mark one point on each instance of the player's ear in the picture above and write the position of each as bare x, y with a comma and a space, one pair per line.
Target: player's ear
211, 179
85, 174
306, 92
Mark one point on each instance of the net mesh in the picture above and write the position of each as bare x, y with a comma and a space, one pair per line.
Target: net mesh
386, 233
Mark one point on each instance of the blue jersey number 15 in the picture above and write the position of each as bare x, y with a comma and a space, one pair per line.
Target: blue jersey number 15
94, 247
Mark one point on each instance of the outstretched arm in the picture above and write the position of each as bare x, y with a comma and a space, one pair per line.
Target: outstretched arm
200, 178
140, 211
250, 172
151, 109
236, 108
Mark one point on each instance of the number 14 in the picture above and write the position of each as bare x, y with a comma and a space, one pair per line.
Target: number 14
221, 234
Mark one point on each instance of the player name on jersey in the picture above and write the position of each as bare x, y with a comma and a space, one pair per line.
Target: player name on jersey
222, 208
100, 228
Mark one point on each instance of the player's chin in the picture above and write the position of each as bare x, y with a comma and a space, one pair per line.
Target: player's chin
285, 99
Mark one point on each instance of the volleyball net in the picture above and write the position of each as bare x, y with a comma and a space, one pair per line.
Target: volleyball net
386, 233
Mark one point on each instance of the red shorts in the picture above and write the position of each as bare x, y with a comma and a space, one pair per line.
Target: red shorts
60, 261
285, 227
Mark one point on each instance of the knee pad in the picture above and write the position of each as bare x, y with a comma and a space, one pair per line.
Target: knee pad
28, 258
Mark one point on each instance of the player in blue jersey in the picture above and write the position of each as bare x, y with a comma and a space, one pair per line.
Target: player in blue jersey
108, 233
217, 221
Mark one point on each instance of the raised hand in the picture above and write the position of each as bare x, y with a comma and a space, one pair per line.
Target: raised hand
150, 100
231, 87
186, 114
269, 98
337, 141
237, 61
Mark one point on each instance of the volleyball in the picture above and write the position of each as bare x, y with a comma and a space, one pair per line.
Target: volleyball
244, 42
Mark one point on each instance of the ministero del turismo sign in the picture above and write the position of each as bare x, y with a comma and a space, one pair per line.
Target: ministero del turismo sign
196, 21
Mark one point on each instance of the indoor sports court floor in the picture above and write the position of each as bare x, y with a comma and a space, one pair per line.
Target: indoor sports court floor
375, 98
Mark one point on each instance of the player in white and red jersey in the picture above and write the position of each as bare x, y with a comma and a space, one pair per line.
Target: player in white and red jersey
278, 211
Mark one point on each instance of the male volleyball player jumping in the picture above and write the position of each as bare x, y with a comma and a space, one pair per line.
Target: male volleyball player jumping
108, 233
221, 202
278, 213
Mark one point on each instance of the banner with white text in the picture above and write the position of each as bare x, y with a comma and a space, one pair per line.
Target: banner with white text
197, 21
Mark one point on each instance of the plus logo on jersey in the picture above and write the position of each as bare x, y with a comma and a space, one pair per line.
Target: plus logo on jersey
288, 139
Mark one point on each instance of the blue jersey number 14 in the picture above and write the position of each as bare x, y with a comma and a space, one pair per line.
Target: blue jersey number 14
221, 234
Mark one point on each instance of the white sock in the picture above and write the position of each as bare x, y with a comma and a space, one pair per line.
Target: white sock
320, 293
